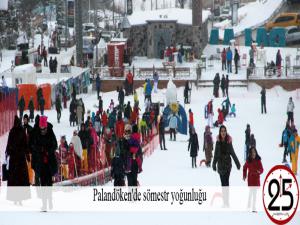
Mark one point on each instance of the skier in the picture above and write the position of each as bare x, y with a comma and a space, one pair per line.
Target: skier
58, 108
161, 128
208, 146
247, 140
173, 126
98, 85
223, 85
236, 60
194, 147
21, 106
290, 111
216, 83
223, 57
263, 100
229, 60
254, 168
222, 159
294, 142
286, 134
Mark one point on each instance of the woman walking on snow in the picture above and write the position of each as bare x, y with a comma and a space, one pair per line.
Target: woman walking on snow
222, 161
254, 168
194, 147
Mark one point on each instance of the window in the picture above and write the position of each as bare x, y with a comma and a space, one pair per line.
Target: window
293, 30
283, 19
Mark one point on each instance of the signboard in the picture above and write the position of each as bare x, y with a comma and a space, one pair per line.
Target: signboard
116, 58
4, 5
71, 13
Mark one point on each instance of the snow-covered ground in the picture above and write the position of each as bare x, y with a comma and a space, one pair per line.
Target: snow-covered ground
252, 15
173, 167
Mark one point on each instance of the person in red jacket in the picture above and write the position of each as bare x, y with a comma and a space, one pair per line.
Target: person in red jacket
129, 79
191, 121
104, 121
120, 126
71, 161
223, 57
220, 118
254, 168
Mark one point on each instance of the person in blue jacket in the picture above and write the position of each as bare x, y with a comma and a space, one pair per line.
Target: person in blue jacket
148, 90
286, 134
229, 60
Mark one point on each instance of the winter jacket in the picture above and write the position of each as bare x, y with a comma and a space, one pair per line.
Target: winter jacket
193, 145
263, 95
121, 96
112, 119
210, 109
77, 146
173, 122
191, 119
255, 169
21, 104
58, 106
222, 158
220, 117
127, 112
223, 83
98, 82
223, 55
216, 81
148, 88
290, 106
286, 134
86, 139
293, 144
104, 119
161, 127
236, 56
129, 78
229, 55
120, 128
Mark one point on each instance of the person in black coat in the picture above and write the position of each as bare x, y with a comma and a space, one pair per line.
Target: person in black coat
263, 100
73, 107
223, 85
222, 158
44, 161
236, 60
193, 147
161, 127
247, 140
21, 106
31, 109
186, 93
121, 96
227, 85
17, 151
216, 83
118, 169
100, 105
42, 104
127, 111
58, 107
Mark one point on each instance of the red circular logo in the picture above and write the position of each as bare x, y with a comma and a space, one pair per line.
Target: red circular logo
280, 194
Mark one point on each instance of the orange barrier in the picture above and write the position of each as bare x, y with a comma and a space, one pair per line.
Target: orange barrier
28, 90
47, 95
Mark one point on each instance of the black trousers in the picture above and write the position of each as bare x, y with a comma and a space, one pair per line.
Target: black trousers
132, 179
263, 107
236, 65
119, 181
58, 116
225, 179
290, 117
194, 163
173, 131
162, 141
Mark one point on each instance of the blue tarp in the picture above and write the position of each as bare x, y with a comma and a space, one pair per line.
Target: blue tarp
228, 36
214, 37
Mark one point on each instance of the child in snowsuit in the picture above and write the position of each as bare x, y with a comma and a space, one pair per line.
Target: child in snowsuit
220, 119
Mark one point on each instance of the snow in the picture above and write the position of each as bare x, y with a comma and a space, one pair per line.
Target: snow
252, 15
27, 68
182, 16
